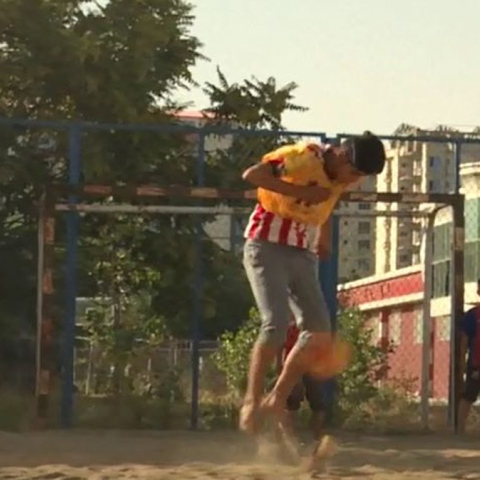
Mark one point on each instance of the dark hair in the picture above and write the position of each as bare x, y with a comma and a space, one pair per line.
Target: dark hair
367, 153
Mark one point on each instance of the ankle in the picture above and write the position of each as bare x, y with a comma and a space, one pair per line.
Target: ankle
251, 401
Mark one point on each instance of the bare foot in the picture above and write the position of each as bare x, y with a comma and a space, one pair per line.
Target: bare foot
272, 406
325, 449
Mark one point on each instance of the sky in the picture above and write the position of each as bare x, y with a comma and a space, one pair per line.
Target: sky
359, 64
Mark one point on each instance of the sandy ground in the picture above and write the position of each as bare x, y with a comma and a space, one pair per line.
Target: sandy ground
204, 456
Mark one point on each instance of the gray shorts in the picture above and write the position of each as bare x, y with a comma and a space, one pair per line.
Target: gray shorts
284, 281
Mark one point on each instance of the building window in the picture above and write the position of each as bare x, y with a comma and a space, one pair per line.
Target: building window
441, 279
395, 328
404, 258
363, 264
443, 328
364, 245
442, 241
363, 228
418, 327
364, 206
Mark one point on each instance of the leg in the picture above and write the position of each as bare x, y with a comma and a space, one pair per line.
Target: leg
463, 412
311, 312
470, 395
294, 401
314, 395
267, 273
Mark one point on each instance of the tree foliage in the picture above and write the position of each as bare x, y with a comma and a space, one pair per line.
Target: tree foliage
118, 62
233, 356
360, 382
251, 104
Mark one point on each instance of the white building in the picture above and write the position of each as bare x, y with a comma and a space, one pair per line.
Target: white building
414, 167
357, 236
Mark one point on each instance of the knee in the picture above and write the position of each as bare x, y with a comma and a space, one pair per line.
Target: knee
314, 340
273, 336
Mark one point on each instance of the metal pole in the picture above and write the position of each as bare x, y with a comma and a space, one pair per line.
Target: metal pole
197, 292
427, 346
452, 403
329, 281
457, 285
75, 134
40, 272
214, 210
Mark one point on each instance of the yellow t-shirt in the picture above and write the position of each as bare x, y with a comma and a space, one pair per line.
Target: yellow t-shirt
302, 164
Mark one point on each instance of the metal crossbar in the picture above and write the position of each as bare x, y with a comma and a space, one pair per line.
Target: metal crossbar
218, 210
62, 198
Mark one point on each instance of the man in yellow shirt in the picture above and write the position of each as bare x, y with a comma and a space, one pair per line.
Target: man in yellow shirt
298, 188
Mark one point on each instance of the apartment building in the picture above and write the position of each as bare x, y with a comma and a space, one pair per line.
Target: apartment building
413, 167
357, 236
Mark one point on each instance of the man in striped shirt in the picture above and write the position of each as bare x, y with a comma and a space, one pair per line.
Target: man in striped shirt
281, 257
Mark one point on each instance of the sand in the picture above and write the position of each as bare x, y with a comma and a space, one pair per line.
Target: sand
204, 456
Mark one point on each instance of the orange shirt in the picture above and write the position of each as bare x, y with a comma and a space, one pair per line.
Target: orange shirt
302, 164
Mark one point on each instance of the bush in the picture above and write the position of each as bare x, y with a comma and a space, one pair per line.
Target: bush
362, 391
360, 382
233, 356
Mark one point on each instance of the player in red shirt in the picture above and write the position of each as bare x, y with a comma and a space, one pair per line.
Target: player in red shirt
308, 388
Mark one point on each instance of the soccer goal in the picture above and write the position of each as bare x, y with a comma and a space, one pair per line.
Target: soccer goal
90, 198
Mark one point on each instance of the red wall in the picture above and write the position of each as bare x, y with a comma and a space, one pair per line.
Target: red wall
390, 288
405, 362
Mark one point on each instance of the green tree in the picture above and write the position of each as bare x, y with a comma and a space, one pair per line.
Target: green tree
252, 104
360, 382
233, 356
123, 319
120, 62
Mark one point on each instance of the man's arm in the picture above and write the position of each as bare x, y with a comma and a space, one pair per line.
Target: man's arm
324, 247
266, 175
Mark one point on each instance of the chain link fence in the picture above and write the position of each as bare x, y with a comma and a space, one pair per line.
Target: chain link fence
404, 294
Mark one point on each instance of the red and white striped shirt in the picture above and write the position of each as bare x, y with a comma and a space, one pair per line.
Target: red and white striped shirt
267, 226
270, 227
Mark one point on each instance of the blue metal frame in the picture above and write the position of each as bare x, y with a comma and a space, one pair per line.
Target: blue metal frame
197, 292
452, 387
75, 139
328, 273
328, 270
